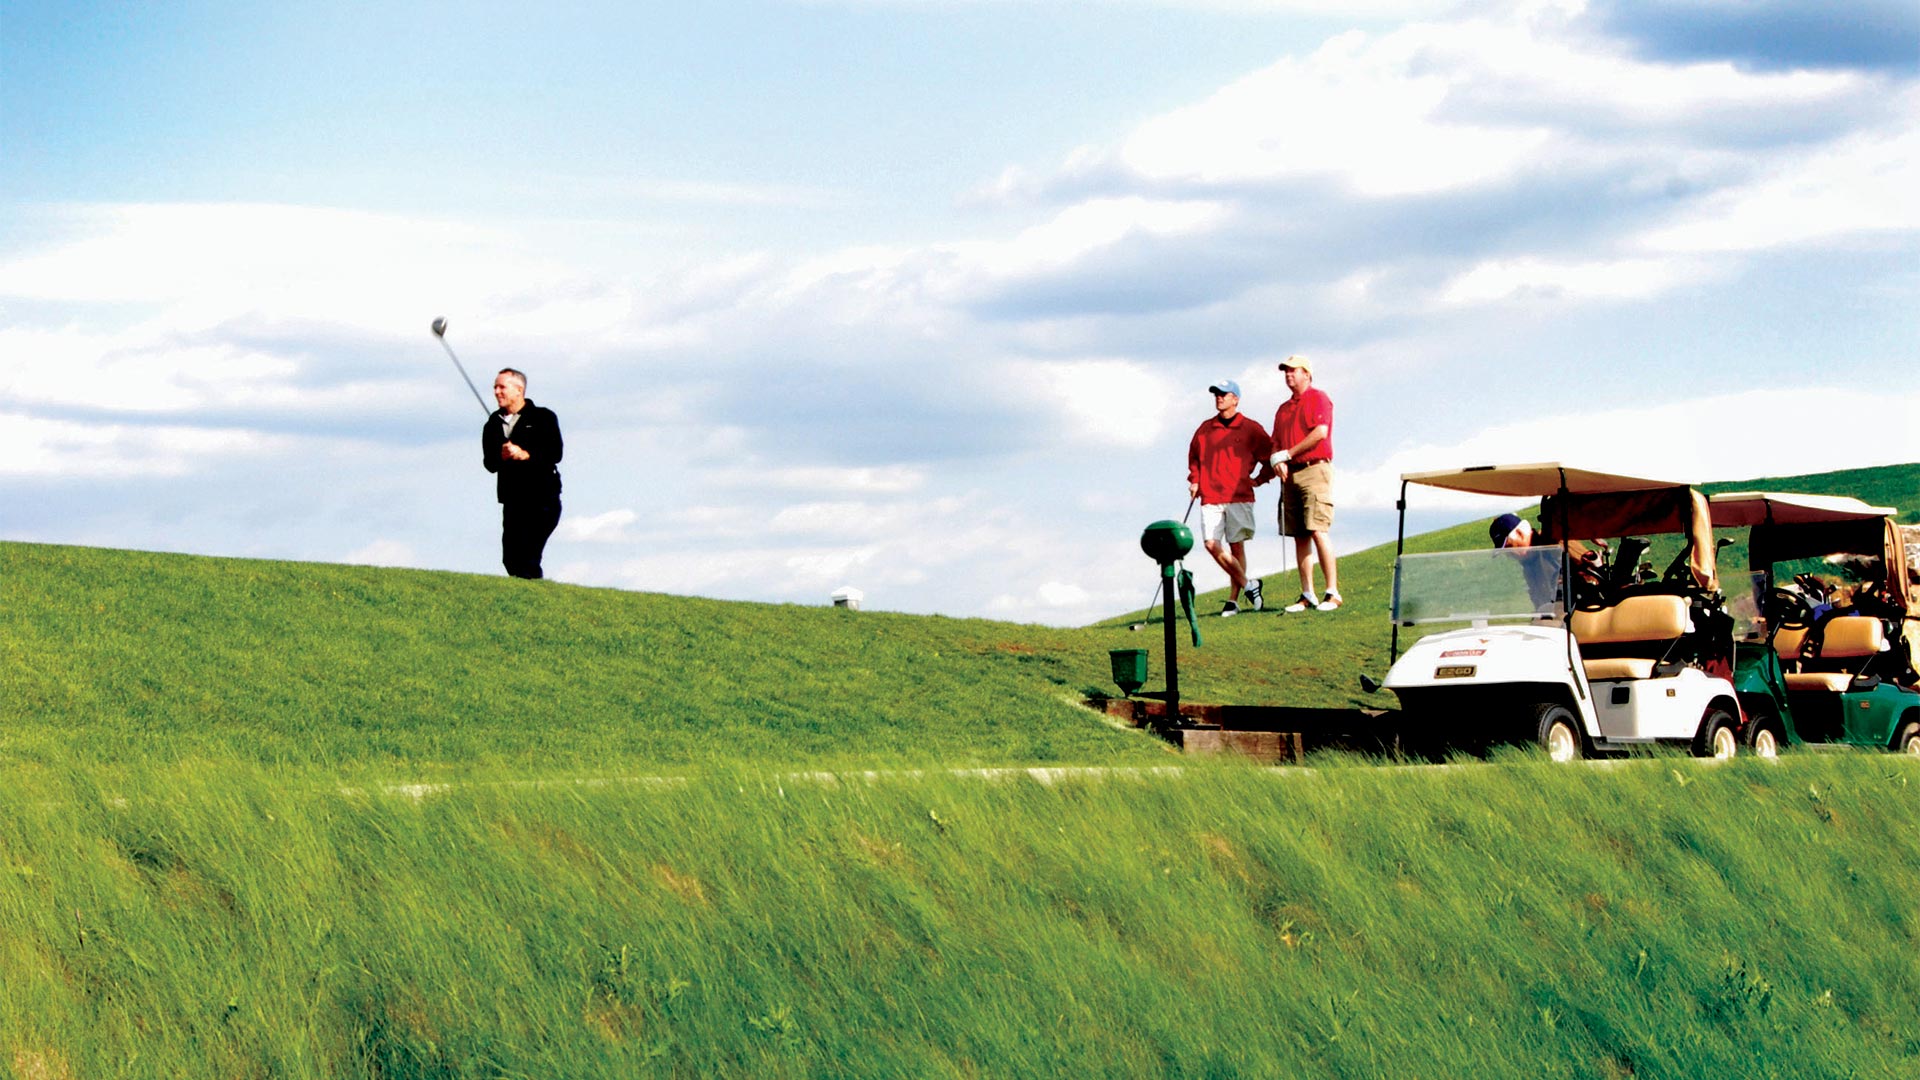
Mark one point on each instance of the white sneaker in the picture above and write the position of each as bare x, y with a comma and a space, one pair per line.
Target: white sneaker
1229, 610
1301, 604
1331, 603
1253, 593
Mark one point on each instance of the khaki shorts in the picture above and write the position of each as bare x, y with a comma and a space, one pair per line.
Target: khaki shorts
1306, 500
1226, 523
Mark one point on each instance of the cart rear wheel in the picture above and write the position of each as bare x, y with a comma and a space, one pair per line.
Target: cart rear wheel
1764, 737
1558, 732
1908, 741
1717, 738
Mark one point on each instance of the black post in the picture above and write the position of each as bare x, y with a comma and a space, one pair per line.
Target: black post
1168, 576
1399, 549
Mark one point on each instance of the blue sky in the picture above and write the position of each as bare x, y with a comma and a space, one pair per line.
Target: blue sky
922, 296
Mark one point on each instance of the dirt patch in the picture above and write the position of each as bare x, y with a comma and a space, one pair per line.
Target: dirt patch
40, 1065
880, 851
685, 886
1225, 860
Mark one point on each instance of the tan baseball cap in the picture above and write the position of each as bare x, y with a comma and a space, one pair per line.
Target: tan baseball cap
1297, 361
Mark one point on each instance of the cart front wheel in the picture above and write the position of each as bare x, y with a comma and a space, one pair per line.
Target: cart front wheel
1717, 738
1557, 732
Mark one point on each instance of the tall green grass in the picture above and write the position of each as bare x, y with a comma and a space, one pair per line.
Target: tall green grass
1661, 918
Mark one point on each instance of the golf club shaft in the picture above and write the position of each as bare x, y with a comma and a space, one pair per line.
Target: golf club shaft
463, 374
1285, 540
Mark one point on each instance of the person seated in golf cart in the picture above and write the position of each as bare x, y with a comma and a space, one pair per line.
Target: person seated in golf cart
1511, 531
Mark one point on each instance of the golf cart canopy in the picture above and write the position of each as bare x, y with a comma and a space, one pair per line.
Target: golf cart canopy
1786, 527
1535, 481
1580, 504
1738, 508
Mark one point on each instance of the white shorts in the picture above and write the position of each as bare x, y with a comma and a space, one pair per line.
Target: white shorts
1227, 523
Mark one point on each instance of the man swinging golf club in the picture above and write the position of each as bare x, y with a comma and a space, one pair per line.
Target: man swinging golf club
521, 446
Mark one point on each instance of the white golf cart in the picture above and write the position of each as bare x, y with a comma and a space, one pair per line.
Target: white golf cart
1571, 651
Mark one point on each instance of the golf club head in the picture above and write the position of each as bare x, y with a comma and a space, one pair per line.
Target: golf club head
440, 327
1368, 685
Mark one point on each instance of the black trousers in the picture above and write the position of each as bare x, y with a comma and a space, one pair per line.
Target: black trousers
524, 528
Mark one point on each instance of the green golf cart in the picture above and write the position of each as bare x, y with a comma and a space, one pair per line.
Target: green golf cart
1832, 625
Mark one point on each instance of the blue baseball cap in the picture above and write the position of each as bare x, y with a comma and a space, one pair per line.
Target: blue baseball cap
1501, 528
1225, 386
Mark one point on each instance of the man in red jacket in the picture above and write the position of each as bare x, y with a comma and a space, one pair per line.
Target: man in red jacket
1221, 460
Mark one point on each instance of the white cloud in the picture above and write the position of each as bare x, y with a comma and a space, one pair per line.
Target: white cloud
1104, 402
1342, 8
153, 369
1069, 603
872, 480
1366, 112
40, 447
1445, 106
1087, 228
790, 570
212, 262
383, 553
607, 528
1863, 185
1561, 280
1061, 594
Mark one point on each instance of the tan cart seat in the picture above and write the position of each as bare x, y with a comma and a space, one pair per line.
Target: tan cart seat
1847, 638
1653, 622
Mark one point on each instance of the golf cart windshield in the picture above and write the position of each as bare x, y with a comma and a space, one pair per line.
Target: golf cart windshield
1468, 586
1832, 550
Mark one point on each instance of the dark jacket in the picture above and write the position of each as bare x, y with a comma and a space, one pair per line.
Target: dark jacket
536, 479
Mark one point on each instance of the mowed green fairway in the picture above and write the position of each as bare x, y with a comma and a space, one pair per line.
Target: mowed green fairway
114, 656
289, 820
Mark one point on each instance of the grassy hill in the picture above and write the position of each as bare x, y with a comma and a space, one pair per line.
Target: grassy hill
632, 865
115, 656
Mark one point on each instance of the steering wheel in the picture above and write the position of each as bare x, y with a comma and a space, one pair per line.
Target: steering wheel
1788, 610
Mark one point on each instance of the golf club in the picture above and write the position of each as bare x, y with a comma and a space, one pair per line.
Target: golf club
1285, 540
440, 331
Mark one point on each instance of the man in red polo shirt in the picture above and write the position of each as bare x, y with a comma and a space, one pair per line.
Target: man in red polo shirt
1303, 459
1221, 460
